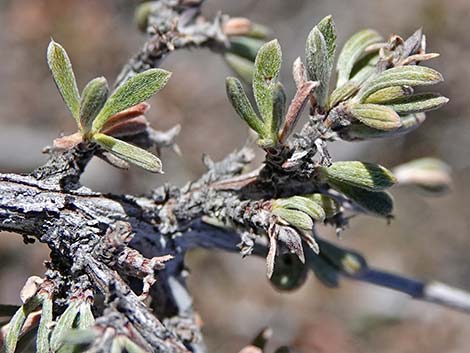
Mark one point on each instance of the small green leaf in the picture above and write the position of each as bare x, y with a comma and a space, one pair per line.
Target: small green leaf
399, 76
42, 338
86, 319
295, 218
135, 90
328, 204
64, 324
418, 103
237, 96
377, 203
240, 66
267, 67
389, 94
245, 47
16, 324
360, 132
342, 93
304, 204
129, 153
365, 68
279, 107
61, 69
376, 116
353, 51
319, 53
94, 96
362, 175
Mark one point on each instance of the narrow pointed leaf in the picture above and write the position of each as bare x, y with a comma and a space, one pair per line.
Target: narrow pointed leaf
267, 67
237, 96
418, 103
135, 90
42, 338
353, 51
363, 175
400, 76
62, 72
328, 29
342, 93
94, 96
129, 153
365, 68
376, 116
64, 324
240, 66
16, 323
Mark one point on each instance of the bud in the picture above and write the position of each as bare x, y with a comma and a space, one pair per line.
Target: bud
304, 204
295, 218
376, 116
328, 204
389, 94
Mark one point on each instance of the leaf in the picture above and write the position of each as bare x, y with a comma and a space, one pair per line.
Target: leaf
418, 103
353, 51
86, 319
135, 90
304, 204
399, 76
377, 203
267, 67
240, 66
376, 116
129, 153
342, 93
328, 204
245, 47
361, 132
389, 94
296, 218
237, 96
94, 96
62, 72
16, 324
42, 338
319, 53
64, 324
362, 175
365, 68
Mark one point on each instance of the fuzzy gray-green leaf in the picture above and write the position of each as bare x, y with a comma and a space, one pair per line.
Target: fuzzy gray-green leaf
399, 76
418, 103
353, 51
319, 53
64, 324
328, 204
135, 90
363, 175
267, 67
388, 94
296, 218
42, 338
129, 153
241, 66
342, 93
377, 203
16, 323
376, 116
304, 204
61, 68
237, 96
86, 319
94, 96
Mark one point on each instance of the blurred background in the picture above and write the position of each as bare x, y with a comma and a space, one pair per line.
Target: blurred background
429, 239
